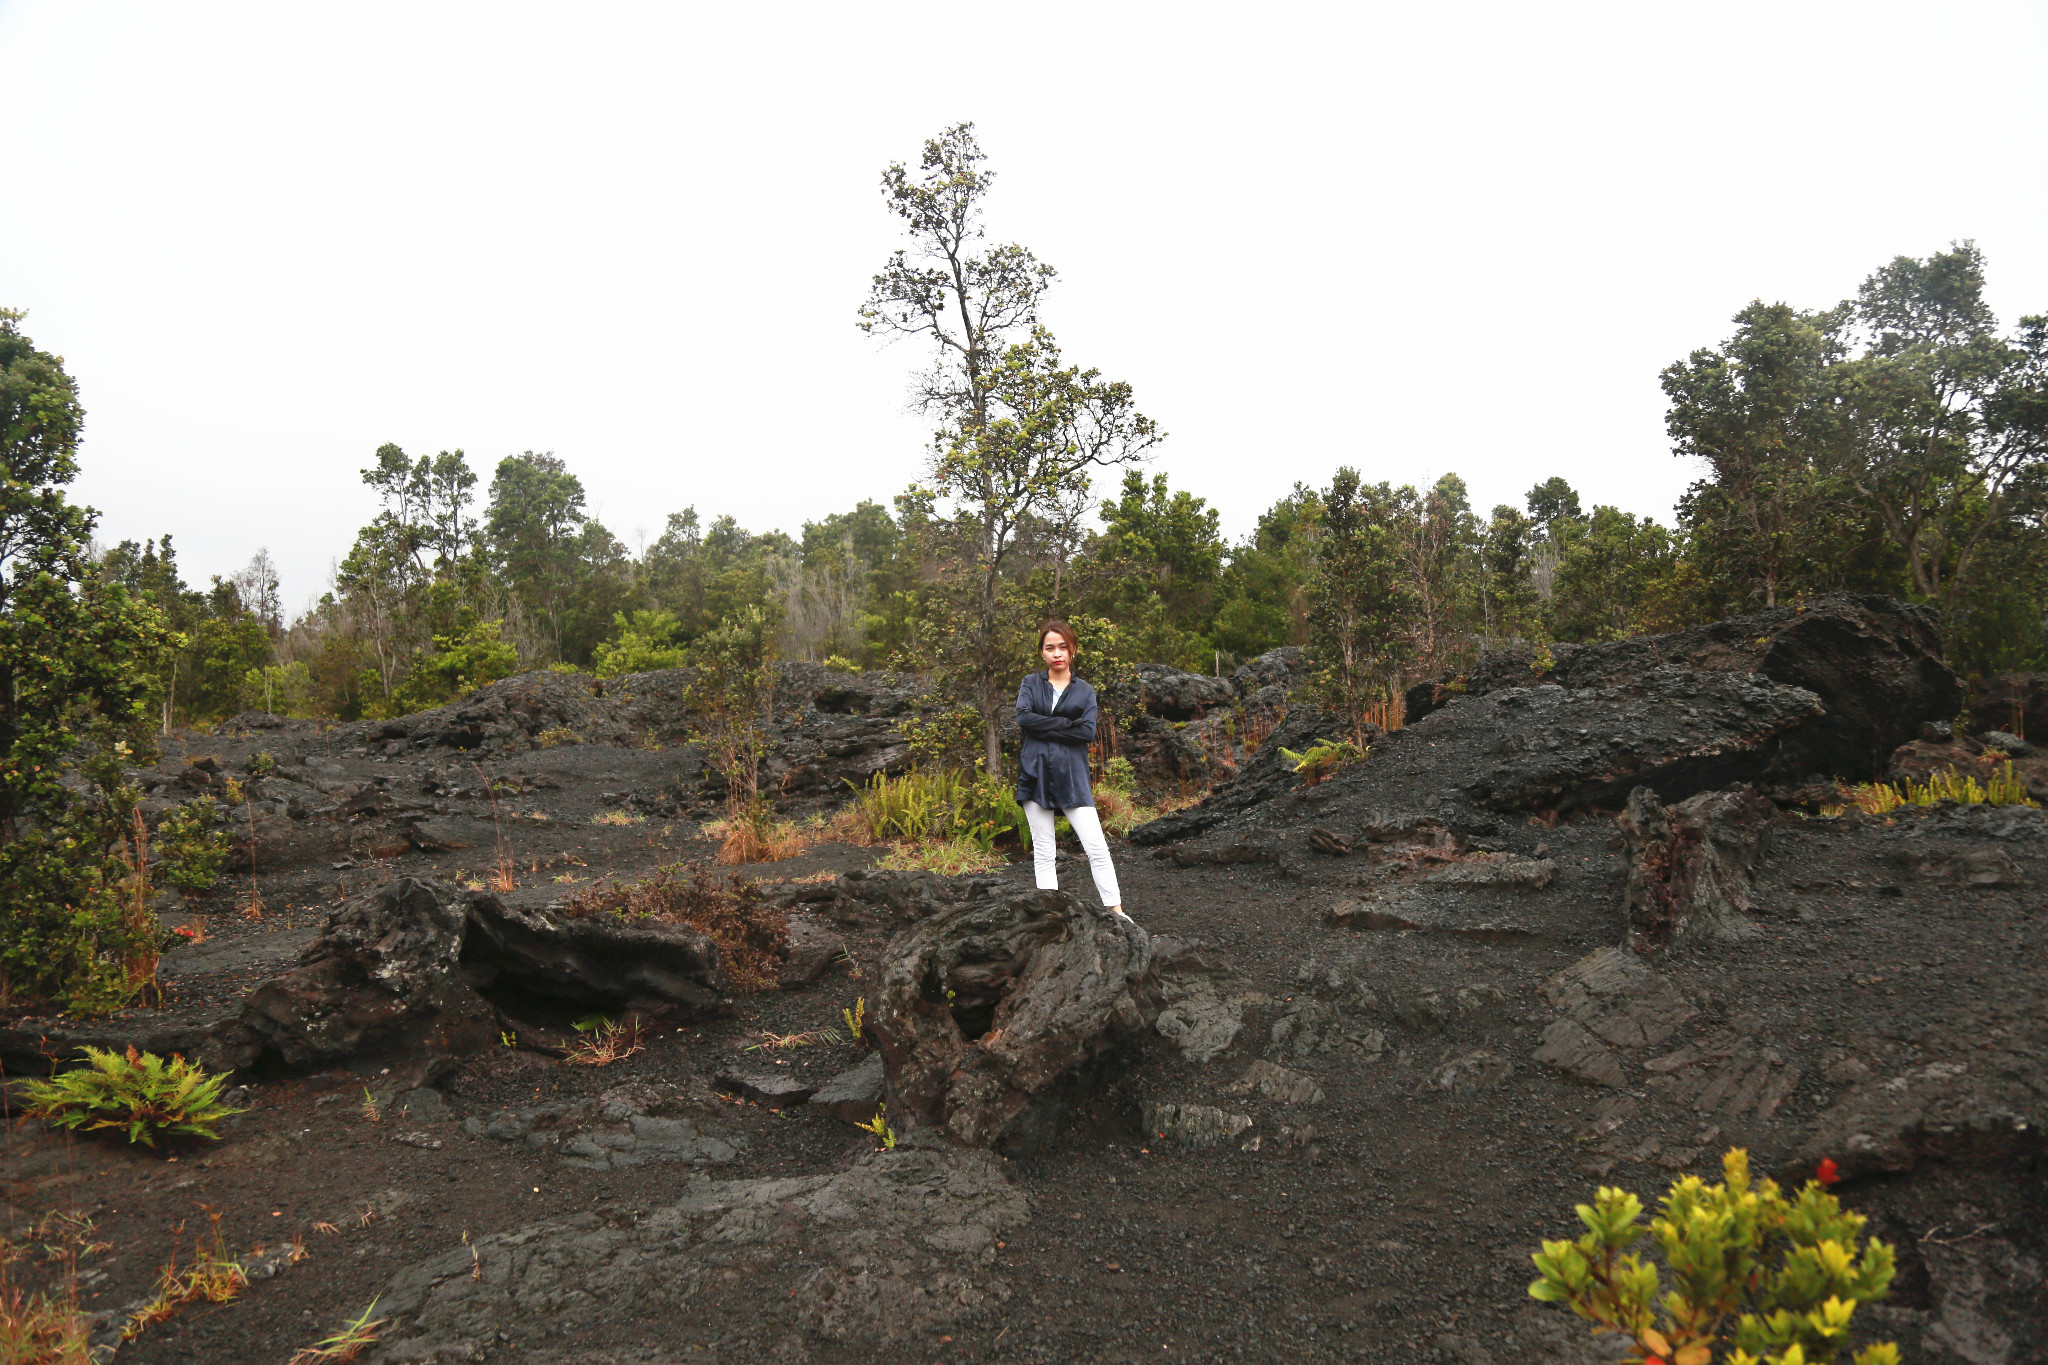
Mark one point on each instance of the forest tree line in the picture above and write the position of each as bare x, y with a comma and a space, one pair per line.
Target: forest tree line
1896, 442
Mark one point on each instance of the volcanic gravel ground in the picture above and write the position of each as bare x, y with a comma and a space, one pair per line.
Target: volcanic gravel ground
1389, 1220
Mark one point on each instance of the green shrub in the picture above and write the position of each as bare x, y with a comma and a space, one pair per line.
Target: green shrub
189, 846
945, 738
1118, 775
459, 664
281, 689
140, 1092
1778, 1278
79, 661
647, 640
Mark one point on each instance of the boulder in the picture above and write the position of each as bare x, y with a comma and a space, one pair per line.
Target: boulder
1874, 663
854, 1095
989, 1003
601, 961
1172, 694
634, 1124
1266, 775
1284, 668
1194, 1126
813, 948
383, 972
769, 1089
1546, 750
1610, 1003
1690, 866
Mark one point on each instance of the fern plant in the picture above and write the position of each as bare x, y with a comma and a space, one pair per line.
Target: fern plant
1323, 758
140, 1092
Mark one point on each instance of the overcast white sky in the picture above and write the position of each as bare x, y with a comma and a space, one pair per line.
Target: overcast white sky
268, 238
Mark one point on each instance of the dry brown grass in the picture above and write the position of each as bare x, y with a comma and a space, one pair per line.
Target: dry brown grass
47, 1329
137, 915
213, 1277
947, 857
39, 1330
605, 1043
752, 935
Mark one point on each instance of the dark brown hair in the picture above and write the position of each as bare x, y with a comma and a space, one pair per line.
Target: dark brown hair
1064, 631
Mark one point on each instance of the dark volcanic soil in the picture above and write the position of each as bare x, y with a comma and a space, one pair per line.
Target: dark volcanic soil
1381, 1204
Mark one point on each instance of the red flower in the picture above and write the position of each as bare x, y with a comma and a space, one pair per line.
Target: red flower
1827, 1173
184, 930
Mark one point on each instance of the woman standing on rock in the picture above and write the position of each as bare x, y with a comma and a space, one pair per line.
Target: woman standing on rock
1056, 712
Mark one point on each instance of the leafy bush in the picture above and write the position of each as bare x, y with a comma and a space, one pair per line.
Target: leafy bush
140, 1092
475, 656
945, 738
282, 689
189, 847
1780, 1278
647, 640
78, 658
752, 935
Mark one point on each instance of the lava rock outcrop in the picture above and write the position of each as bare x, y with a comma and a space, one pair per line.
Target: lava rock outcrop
993, 1000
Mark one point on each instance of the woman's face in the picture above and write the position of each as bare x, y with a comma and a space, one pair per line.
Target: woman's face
1053, 649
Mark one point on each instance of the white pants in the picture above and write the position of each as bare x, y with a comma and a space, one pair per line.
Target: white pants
1089, 830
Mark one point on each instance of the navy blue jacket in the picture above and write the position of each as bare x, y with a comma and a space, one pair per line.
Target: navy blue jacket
1052, 765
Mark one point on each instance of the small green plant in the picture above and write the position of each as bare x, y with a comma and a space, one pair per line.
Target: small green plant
1119, 775
2003, 787
555, 737
842, 663
879, 1126
856, 1020
372, 1112
355, 1337
140, 1092
1323, 759
1779, 1278
260, 765
507, 1038
190, 847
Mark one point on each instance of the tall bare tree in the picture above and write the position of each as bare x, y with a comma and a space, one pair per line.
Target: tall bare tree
1015, 429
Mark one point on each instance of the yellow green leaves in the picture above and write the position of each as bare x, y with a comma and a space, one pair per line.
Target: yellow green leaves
1778, 1279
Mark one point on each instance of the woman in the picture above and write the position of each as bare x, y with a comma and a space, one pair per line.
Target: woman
1056, 712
